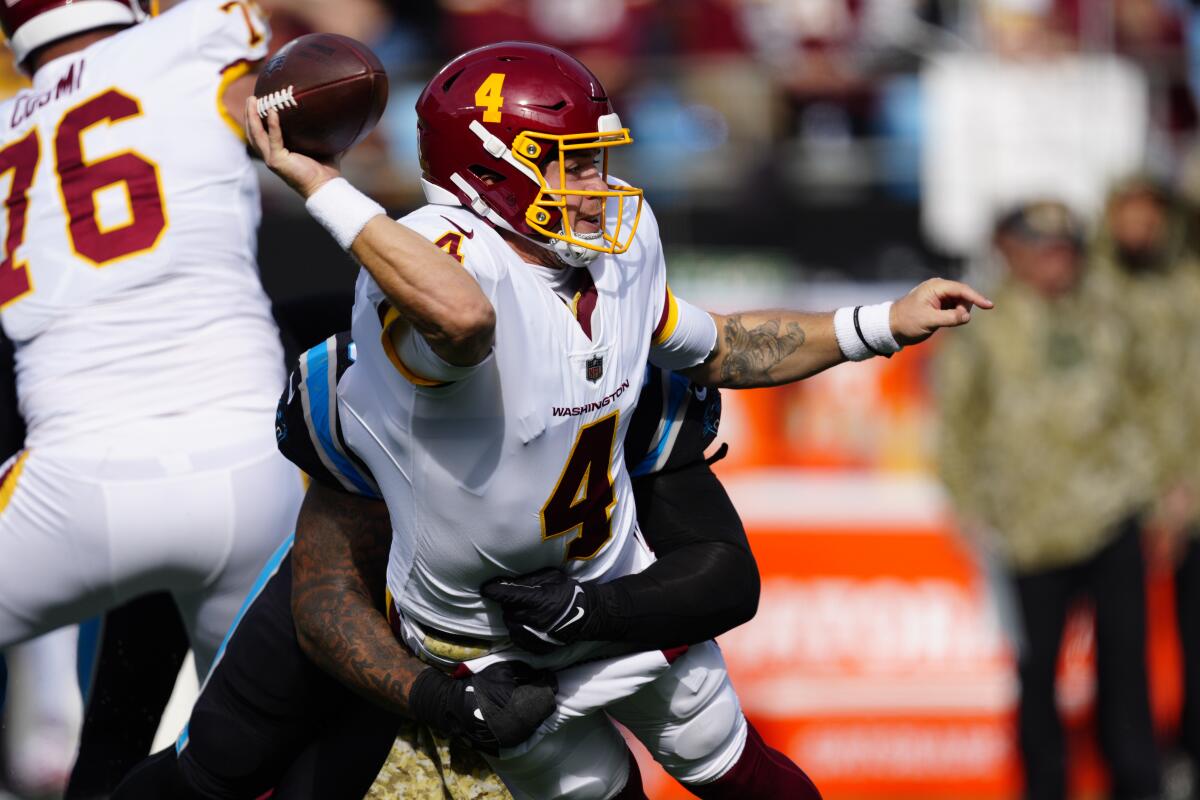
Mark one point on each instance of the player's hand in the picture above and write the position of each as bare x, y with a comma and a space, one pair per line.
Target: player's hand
302, 173
543, 610
501, 706
936, 303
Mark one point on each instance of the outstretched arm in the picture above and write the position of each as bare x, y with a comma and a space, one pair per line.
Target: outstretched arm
770, 348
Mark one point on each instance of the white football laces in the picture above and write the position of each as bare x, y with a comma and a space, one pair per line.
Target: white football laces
276, 100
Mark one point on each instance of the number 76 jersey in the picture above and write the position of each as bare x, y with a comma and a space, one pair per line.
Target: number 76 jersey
518, 465
130, 215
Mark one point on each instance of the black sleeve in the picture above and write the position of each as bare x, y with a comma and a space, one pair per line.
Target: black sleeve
705, 581
673, 424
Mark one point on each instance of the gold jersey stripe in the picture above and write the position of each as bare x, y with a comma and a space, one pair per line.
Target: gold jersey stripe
672, 320
385, 336
228, 75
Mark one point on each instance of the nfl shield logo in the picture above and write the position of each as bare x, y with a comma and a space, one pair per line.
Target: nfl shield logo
594, 368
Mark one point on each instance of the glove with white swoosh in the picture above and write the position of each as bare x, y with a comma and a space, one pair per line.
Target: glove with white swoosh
500, 706
545, 609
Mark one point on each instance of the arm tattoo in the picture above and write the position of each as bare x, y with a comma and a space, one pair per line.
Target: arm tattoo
338, 565
752, 353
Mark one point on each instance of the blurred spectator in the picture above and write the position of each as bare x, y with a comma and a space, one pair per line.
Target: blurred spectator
1152, 34
398, 32
1048, 465
1027, 118
1144, 260
812, 49
1146, 257
704, 112
609, 38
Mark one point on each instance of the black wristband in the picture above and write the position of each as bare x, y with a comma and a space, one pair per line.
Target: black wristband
863, 339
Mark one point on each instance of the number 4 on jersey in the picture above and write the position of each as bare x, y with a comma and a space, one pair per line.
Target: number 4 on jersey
584, 496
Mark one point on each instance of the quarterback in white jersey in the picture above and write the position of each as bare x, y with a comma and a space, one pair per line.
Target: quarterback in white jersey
514, 464
499, 332
147, 358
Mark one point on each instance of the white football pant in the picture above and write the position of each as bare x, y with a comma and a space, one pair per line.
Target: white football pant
689, 718
81, 534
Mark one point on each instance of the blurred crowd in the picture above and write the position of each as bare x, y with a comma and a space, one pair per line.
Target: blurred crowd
1046, 148
956, 108
926, 117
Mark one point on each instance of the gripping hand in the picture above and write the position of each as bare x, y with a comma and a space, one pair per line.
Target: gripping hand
545, 609
499, 707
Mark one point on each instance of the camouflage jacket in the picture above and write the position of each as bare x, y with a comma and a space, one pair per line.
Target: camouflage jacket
1041, 443
1161, 307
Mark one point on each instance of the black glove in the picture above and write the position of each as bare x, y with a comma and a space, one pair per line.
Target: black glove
545, 609
499, 707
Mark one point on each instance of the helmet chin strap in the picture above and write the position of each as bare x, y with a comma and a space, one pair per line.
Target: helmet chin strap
571, 255
574, 255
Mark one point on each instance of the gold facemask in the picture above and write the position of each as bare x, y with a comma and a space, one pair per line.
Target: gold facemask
527, 149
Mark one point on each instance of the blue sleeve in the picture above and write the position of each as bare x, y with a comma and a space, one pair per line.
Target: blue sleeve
307, 427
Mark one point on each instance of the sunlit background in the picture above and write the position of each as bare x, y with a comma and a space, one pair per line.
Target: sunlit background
812, 154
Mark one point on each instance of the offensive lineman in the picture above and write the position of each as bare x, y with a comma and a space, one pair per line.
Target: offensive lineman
489, 402
147, 359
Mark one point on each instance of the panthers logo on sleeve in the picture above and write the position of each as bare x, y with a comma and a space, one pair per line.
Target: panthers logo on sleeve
675, 422
307, 427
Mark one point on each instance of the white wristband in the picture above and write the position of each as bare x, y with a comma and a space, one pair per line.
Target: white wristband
865, 331
342, 210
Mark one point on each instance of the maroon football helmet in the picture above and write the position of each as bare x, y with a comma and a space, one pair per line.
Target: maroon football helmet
30, 24
495, 119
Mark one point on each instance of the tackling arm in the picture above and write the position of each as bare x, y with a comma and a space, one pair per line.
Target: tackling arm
705, 581
338, 563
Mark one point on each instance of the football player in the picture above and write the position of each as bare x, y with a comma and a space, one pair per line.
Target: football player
499, 330
296, 729
147, 360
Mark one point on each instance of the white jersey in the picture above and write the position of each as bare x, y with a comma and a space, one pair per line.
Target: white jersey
130, 289
520, 464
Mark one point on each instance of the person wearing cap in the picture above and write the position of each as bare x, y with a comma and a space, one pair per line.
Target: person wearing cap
1146, 260
1049, 466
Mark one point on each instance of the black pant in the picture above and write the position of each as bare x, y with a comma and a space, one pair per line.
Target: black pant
1114, 580
1187, 608
142, 646
268, 718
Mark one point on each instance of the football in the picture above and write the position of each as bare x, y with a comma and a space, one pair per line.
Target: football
329, 90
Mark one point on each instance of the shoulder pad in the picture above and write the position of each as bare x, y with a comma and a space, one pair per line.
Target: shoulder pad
307, 427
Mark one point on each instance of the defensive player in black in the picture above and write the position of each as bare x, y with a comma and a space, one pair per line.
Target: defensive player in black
269, 717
